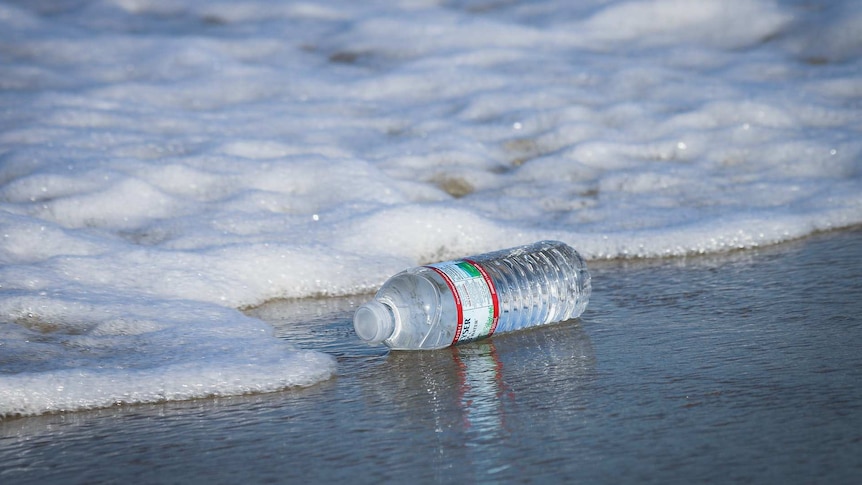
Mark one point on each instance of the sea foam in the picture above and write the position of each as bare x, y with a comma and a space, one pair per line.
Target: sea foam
164, 164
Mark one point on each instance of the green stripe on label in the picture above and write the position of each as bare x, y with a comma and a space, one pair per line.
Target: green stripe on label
469, 269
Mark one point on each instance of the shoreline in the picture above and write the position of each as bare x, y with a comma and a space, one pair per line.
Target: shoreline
727, 255
692, 369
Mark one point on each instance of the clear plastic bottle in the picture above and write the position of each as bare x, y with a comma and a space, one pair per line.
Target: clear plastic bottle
439, 305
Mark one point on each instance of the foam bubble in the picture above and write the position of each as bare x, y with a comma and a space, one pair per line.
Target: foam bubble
722, 23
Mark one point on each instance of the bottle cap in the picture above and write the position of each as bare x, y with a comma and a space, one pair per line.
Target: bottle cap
374, 322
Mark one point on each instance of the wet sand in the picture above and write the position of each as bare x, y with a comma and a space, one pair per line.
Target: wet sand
735, 367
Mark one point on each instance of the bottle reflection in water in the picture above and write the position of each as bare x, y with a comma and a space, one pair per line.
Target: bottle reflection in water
467, 403
481, 389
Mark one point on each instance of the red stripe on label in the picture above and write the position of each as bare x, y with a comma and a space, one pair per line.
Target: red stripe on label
493, 291
458, 305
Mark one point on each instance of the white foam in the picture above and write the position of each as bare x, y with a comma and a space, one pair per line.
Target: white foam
67, 351
164, 163
722, 23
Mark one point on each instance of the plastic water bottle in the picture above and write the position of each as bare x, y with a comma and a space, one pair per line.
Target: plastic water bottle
443, 304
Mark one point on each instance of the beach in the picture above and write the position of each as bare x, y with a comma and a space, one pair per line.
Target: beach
166, 164
195, 196
732, 367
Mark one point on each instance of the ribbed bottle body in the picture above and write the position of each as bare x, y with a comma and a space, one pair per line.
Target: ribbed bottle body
541, 283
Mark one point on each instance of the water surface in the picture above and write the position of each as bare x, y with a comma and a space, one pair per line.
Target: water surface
737, 367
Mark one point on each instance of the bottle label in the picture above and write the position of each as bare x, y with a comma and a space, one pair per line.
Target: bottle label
475, 298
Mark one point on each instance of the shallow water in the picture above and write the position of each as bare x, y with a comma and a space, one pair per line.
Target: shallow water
739, 367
